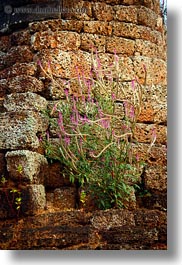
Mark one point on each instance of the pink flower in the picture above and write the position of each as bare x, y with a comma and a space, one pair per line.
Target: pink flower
133, 84
74, 104
91, 153
39, 63
105, 123
85, 119
49, 64
125, 103
116, 57
113, 96
132, 112
66, 91
60, 121
40, 138
154, 134
100, 112
137, 157
81, 141
89, 90
67, 140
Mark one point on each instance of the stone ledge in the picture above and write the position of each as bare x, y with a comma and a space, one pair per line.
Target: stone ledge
33, 199
18, 130
18, 54
144, 133
156, 178
63, 40
19, 69
24, 83
110, 229
25, 102
133, 31
33, 166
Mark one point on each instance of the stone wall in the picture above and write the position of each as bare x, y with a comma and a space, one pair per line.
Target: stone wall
132, 28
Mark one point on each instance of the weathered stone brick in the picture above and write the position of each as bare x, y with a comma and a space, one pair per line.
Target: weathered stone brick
20, 38
104, 220
19, 54
149, 49
130, 30
156, 178
146, 17
127, 30
155, 200
65, 198
124, 67
152, 35
65, 64
33, 199
18, 130
54, 177
73, 25
45, 25
151, 218
3, 87
120, 45
155, 69
33, 166
161, 114
24, 102
56, 25
126, 13
156, 157
62, 40
154, 104
130, 235
110, 1
103, 12
55, 89
24, 83
82, 10
90, 41
154, 5
98, 27
144, 133
19, 69
5, 43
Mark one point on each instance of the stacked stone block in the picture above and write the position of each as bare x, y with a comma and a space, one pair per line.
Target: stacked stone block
131, 28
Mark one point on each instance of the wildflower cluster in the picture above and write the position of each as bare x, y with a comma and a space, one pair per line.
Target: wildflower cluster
96, 143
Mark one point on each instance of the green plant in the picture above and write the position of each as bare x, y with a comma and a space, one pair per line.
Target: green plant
96, 144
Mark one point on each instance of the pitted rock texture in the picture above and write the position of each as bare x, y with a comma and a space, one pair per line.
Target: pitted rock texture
40, 56
18, 130
33, 166
78, 230
25, 101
